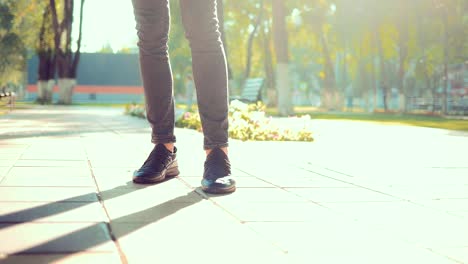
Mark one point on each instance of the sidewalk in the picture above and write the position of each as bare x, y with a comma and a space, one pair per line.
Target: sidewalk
361, 193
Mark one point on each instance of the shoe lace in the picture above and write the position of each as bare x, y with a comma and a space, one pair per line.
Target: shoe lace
156, 157
220, 165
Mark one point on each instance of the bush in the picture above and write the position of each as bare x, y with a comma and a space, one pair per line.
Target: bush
135, 110
246, 122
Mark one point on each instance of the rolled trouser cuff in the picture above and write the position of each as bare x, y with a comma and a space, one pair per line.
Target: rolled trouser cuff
157, 139
212, 146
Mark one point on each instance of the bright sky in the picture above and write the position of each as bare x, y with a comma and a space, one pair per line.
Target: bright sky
106, 22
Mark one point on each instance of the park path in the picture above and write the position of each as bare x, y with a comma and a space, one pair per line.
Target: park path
361, 193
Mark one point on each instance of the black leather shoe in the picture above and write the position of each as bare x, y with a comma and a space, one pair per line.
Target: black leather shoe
217, 176
161, 163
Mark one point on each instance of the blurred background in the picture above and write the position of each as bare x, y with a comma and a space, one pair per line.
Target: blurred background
318, 55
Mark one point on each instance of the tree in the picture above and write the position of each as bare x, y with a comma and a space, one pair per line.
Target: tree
252, 35
280, 38
66, 60
267, 59
12, 49
8, 39
107, 48
46, 56
403, 38
318, 19
220, 13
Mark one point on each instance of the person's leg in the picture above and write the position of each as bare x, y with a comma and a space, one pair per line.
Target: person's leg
209, 69
152, 24
210, 75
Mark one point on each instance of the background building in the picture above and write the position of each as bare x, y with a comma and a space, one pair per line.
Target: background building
102, 78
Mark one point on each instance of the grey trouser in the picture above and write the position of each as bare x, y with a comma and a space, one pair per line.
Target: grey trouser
208, 62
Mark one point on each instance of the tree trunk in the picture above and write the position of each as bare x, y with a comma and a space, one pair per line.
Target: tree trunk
272, 99
220, 13
250, 41
374, 88
46, 72
46, 69
280, 36
41, 91
383, 71
45, 91
66, 61
446, 58
66, 86
403, 50
331, 97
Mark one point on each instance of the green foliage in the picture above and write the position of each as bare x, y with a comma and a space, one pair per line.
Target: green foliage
190, 120
19, 25
135, 110
343, 33
107, 48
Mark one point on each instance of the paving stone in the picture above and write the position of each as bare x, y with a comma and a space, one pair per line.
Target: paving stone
340, 194
5, 156
459, 254
275, 212
195, 239
447, 205
266, 169
51, 212
38, 172
53, 156
428, 192
74, 258
12, 149
344, 227
113, 163
335, 241
107, 184
46, 145
3, 171
241, 182
413, 223
48, 181
47, 194
7, 163
306, 181
51, 163
54, 238
143, 206
114, 173
463, 214
270, 195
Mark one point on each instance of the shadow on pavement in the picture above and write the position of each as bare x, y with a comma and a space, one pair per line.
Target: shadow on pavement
87, 236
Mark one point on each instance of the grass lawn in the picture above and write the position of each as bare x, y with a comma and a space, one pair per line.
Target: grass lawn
386, 118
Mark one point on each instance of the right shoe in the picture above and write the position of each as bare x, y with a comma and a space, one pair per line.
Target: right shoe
161, 163
217, 176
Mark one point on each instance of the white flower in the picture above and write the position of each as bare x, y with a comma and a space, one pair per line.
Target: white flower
237, 105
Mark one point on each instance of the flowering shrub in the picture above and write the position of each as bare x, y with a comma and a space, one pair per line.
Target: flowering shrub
246, 122
189, 120
135, 110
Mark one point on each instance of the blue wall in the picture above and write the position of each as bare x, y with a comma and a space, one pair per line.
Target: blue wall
100, 69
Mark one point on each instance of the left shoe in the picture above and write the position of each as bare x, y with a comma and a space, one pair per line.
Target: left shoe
161, 163
217, 176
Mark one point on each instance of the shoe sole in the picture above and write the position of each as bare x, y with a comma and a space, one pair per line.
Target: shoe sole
219, 190
171, 172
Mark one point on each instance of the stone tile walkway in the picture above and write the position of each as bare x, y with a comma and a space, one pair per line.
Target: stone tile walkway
362, 193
